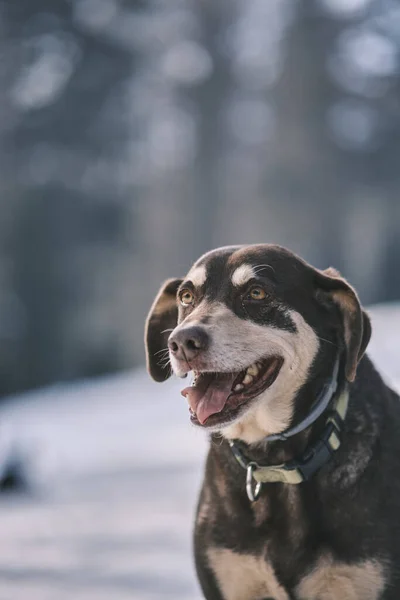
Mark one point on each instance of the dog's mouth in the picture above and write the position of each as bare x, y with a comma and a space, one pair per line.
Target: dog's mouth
216, 398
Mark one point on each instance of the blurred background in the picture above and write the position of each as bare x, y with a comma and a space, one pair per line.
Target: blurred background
134, 136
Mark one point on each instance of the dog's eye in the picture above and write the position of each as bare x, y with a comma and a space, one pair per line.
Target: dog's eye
257, 293
186, 297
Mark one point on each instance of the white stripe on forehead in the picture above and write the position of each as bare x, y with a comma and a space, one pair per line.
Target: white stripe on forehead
243, 274
198, 276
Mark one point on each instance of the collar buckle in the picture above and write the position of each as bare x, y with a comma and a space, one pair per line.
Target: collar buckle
252, 495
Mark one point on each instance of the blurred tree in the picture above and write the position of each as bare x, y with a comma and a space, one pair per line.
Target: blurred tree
63, 133
136, 135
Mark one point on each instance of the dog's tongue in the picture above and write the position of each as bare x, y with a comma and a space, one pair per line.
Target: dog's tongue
209, 394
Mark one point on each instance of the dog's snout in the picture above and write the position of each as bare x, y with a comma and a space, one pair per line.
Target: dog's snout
187, 343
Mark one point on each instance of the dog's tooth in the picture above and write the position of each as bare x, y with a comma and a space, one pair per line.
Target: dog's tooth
248, 379
253, 370
238, 388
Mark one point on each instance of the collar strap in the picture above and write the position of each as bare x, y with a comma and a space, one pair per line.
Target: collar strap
303, 469
319, 406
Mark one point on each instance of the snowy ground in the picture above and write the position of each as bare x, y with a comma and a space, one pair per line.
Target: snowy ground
115, 470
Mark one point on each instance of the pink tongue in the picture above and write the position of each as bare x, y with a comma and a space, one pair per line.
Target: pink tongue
210, 393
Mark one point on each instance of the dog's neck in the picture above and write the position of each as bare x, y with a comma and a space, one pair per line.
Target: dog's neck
362, 423
267, 452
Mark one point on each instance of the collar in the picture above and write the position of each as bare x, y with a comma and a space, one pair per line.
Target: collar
315, 456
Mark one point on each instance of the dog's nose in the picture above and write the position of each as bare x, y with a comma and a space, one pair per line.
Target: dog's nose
187, 343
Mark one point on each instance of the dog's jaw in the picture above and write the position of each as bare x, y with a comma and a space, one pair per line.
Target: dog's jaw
272, 411
217, 398
238, 343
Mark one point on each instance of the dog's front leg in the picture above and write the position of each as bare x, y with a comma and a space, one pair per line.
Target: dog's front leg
206, 577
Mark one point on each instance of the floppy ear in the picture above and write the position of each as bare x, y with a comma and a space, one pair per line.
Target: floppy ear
161, 320
356, 323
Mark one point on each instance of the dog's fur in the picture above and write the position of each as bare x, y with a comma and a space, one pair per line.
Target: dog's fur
335, 537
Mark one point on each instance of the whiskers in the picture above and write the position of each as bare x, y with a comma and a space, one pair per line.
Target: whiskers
163, 350
327, 341
165, 365
164, 360
258, 268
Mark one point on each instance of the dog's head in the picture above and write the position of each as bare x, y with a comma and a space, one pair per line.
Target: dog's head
253, 324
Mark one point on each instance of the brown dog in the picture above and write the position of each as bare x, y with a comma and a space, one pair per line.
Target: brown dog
301, 495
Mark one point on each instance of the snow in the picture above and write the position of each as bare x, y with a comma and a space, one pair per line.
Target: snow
115, 469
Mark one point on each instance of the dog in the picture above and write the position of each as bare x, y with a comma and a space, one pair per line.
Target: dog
301, 493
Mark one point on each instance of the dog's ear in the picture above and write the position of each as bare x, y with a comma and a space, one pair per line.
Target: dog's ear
161, 320
356, 323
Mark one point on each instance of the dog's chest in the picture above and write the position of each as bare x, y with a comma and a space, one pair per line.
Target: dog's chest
249, 577
267, 550
262, 548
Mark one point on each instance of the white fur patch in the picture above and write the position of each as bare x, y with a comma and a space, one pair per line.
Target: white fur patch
244, 577
236, 344
242, 275
330, 580
198, 276
272, 411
